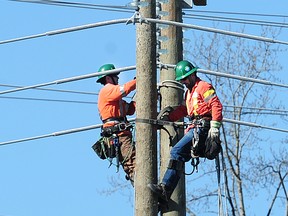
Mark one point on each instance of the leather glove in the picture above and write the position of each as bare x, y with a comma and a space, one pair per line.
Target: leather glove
214, 133
164, 118
164, 114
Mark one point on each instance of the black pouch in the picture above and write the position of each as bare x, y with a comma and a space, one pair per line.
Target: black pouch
212, 148
103, 149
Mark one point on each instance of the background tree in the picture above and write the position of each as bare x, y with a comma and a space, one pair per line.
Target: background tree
251, 165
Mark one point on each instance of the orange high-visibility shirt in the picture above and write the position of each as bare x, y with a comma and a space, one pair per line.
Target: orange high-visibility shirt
110, 102
201, 100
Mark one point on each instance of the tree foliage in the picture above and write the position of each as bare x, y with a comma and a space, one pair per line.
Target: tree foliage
249, 166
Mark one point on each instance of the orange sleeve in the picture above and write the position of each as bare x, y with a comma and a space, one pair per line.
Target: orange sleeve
117, 92
179, 112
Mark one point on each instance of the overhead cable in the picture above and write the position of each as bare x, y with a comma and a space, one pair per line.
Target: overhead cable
71, 79
267, 111
49, 100
220, 74
201, 28
264, 82
250, 124
238, 13
256, 108
66, 30
237, 20
137, 19
55, 90
113, 8
75, 130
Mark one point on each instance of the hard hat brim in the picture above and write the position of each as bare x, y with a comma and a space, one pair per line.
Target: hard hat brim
187, 74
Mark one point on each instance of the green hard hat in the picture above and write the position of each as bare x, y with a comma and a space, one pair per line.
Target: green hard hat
183, 69
105, 67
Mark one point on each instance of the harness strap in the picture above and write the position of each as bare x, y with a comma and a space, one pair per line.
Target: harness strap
119, 119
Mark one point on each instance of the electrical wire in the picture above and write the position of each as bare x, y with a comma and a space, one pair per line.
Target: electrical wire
112, 8
48, 100
55, 90
75, 130
71, 79
139, 19
130, 9
236, 20
66, 30
238, 13
257, 108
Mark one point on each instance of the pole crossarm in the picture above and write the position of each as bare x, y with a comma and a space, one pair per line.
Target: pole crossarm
71, 79
207, 29
232, 76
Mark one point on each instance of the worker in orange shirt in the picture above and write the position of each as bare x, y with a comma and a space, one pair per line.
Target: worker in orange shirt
113, 111
204, 110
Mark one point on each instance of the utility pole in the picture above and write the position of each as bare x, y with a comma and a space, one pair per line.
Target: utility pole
172, 52
146, 108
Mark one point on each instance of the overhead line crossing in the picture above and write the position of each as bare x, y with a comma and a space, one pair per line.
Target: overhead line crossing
75, 130
141, 20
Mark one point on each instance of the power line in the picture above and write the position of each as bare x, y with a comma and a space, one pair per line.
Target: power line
48, 100
272, 111
237, 77
138, 19
201, 28
129, 9
257, 108
236, 20
56, 90
239, 13
126, 9
75, 130
66, 30
71, 79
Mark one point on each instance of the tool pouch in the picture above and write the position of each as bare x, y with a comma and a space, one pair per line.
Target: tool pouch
104, 148
212, 148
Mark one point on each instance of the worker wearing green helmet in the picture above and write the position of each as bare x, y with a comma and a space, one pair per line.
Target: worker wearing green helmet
105, 67
113, 110
204, 110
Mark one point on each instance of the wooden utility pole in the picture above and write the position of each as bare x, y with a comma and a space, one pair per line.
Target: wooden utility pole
146, 108
172, 48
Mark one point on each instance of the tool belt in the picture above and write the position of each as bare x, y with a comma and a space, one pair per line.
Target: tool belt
108, 131
118, 119
201, 122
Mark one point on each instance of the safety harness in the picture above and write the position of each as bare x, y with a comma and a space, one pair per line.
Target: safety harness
108, 146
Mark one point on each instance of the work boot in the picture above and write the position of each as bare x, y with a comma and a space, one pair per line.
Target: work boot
161, 190
130, 179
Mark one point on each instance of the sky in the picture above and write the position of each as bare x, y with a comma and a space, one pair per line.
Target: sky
61, 175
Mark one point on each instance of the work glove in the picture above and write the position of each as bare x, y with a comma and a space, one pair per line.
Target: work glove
163, 115
214, 133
